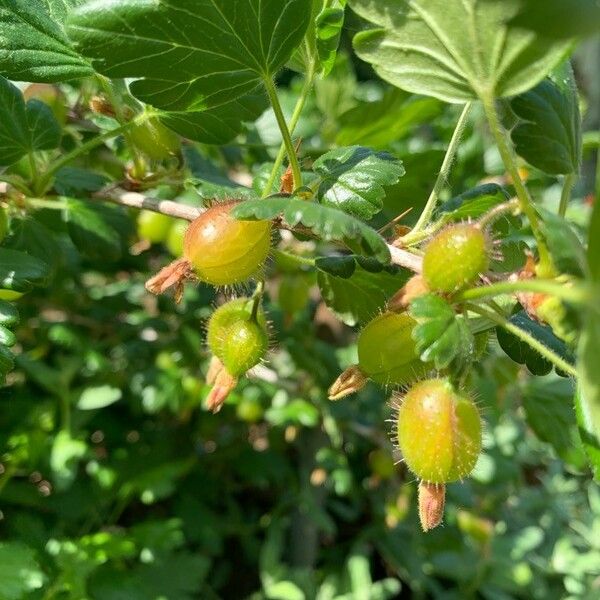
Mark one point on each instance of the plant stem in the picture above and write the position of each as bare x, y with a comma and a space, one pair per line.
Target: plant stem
573, 294
257, 299
496, 212
285, 132
442, 175
544, 351
510, 162
565, 196
288, 256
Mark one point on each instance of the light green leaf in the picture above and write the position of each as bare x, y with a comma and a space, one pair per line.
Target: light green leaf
475, 202
34, 44
455, 51
352, 179
377, 124
20, 573
66, 453
24, 127
328, 29
548, 135
441, 336
190, 57
355, 288
98, 397
329, 223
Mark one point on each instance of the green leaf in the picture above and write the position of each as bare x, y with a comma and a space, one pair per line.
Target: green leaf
91, 230
377, 124
355, 288
66, 453
20, 272
24, 127
190, 58
475, 202
217, 125
7, 360
548, 135
71, 181
329, 223
523, 353
455, 51
34, 45
441, 336
548, 405
588, 397
7, 337
9, 315
567, 251
328, 29
560, 18
20, 573
352, 179
93, 398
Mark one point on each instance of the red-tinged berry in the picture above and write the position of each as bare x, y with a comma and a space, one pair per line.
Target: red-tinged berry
223, 250
387, 352
439, 431
455, 258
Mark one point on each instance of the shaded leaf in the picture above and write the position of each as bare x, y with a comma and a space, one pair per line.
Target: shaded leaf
9, 315
24, 127
425, 47
71, 181
20, 271
34, 45
352, 179
441, 336
329, 223
355, 288
548, 134
20, 573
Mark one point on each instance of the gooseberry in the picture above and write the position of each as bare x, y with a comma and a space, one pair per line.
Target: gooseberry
387, 352
223, 250
153, 226
174, 241
439, 431
455, 258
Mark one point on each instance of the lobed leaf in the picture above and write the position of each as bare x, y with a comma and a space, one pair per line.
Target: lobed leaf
328, 223
352, 179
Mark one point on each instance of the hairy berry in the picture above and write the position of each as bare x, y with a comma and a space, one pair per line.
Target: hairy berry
439, 431
175, 237
223, 250
386, 350
455, 258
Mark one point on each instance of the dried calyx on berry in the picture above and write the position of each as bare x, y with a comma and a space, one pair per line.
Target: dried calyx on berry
217, 249
455, 258
237, 336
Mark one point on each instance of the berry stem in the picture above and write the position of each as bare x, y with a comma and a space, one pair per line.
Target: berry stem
510, 162
257, 299
565, 196
544, 351
285, 132
427, 213
491, 216
308, 83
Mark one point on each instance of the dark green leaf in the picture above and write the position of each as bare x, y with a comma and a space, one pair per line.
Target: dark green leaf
352, 179
523, 353
455, 51
548, 134
7, 360
568, 253
9, 315
20, 272
377, 124
475, 202
355, 288
34, 44
190, 58
328, 29
441, 336
20, 572
24, 127
329, 223
70, 181
7, 337
91, 230
560, 18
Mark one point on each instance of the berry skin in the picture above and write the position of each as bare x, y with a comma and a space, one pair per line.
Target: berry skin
223, 250
153, 226
237, 340
386, 350
174, 241
455, 258
439, 432
155, 140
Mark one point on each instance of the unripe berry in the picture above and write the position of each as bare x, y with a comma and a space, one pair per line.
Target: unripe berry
439, 431
455, 258
153, 226
386, 350
223, 250
175, 237
238, 340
